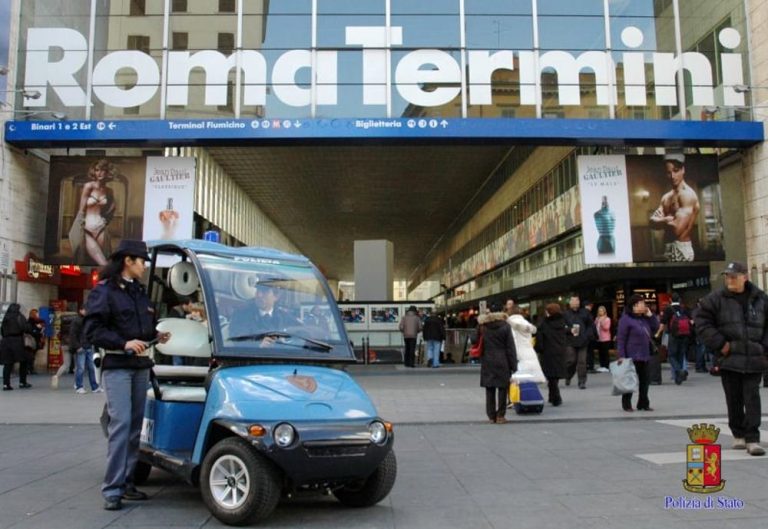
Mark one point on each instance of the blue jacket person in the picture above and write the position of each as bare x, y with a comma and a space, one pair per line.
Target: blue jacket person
121, 320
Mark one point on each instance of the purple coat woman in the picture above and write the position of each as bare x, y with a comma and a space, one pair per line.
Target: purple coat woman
633, 340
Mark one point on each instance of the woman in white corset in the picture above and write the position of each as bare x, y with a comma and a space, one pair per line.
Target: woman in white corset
97, 205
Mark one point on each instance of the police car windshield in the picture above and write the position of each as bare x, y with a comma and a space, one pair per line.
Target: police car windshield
271, 305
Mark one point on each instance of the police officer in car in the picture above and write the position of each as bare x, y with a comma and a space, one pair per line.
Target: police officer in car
264, 316
120, 320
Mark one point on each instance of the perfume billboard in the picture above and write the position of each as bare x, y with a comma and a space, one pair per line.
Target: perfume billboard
604, 209
672, 203
94, 202
170, 198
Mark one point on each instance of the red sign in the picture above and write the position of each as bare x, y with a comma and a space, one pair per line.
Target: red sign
33, 270
70, 270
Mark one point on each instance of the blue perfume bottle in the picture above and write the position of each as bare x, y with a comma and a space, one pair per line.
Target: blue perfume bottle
605, 222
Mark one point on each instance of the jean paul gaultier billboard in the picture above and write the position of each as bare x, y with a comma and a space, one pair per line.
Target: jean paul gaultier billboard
650, 208
57, 57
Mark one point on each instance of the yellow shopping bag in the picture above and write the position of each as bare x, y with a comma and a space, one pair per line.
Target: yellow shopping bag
514, 393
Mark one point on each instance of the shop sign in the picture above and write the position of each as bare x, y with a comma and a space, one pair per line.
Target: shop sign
69, 270
32, 270
699, 282
56, 58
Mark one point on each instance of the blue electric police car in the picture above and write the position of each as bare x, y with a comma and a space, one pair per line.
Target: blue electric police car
248, 401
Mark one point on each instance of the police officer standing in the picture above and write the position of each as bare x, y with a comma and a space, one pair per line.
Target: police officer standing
120, 320
733, 322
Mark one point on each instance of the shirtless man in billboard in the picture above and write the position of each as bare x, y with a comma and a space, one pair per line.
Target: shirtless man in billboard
677, 213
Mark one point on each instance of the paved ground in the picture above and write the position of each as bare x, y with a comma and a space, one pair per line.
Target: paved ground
585, 464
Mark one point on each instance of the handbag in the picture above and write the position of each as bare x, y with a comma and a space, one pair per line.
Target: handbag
653, 349
476, 351
30, 342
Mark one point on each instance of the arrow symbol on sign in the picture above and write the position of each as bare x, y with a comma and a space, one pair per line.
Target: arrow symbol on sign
444, 123
297, 124
112, 126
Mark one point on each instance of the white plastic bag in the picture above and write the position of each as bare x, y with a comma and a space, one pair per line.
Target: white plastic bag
624, 377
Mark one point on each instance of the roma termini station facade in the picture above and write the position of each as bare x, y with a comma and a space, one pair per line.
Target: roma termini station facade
487, 148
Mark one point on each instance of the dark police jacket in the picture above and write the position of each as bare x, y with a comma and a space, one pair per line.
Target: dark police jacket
117, 312
721, 318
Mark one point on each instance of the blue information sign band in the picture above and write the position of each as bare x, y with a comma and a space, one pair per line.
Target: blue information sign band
238, 131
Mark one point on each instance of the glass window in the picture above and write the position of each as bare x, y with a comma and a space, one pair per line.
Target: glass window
499, 25
287, 26
573, 80
433, 24
137, 8
348, 27
227, 6
638, 29
298, 309
179, 40
179, 6
225, 43
138, 42
206, 94
710, 29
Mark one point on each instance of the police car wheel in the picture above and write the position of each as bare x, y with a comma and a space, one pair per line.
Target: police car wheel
141, 473
374, 489
238, 485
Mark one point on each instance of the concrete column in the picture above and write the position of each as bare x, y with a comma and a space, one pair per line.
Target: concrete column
374, 262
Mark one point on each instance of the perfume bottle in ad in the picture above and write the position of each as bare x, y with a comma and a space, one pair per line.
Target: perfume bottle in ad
605, 222
169, 218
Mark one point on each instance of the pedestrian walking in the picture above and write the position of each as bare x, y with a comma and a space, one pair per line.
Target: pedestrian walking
733, 322
603, 332
677, 322
83, 353
633, 340
528, 366
581, 326
36, 326
434, 335
410, 326
120, 319
497, 363
67, 356
12, 350
551, 339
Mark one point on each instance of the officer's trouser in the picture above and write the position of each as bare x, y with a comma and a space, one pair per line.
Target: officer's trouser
126, 391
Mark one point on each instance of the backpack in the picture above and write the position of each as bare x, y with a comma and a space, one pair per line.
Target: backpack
680, 325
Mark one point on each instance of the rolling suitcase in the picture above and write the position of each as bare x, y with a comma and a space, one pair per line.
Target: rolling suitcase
531, 399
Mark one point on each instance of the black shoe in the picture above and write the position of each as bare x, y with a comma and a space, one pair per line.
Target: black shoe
25, 386
7, 388
568, 381
685, 375
582, 385
679, 379
557, 402
113, 504
134, 495
647, 408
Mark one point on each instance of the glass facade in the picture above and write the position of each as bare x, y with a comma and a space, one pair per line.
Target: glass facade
639, 59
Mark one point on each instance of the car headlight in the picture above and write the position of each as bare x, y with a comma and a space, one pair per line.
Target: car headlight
378, 432
284, 435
